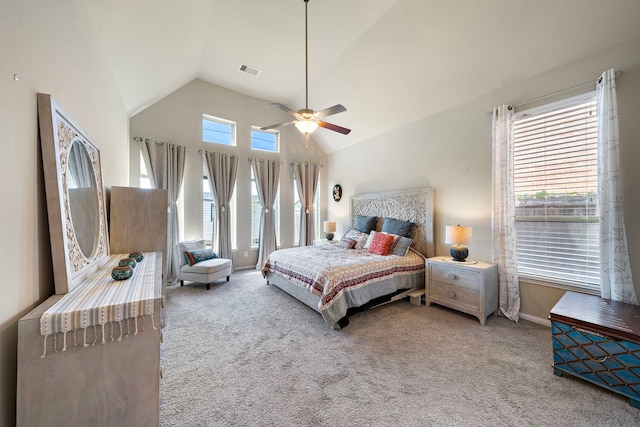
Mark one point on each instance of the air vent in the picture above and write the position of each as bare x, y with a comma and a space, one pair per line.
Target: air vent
249, 70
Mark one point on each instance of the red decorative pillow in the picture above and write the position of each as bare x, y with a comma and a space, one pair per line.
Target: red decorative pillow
380, 244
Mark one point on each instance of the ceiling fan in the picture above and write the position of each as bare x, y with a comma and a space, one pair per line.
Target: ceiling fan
307, 120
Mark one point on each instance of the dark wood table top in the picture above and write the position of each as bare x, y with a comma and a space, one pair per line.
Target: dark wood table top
611, 318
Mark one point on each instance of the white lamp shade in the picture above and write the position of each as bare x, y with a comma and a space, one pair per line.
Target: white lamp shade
329, 226
458, 235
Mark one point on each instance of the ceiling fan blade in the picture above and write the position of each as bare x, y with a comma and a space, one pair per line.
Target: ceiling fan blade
284, 108
338, 108
278, 125
333, 127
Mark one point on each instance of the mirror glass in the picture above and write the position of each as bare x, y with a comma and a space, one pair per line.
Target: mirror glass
83, 198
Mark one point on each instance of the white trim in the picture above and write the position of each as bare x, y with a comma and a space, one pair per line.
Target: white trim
534, 319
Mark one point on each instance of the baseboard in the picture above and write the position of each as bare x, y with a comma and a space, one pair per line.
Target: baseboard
534, 319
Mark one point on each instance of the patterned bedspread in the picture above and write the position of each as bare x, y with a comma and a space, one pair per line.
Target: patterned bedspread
346, 278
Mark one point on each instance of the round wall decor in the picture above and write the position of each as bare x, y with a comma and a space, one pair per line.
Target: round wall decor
337, 192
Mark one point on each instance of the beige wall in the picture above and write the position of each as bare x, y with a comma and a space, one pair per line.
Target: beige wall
178, 119
53, 49
451, 151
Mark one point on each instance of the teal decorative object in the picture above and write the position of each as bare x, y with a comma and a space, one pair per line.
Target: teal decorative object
138, 256
122, 272
127, 261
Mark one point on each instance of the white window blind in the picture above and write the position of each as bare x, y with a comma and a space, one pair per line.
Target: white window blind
555, 174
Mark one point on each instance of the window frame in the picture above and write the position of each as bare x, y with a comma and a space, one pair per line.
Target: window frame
270, 132
221, 121
583, 286
276, 212
296, 212
232, 206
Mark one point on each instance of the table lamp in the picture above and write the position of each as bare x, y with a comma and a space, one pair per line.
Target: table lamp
329, 228
458, 236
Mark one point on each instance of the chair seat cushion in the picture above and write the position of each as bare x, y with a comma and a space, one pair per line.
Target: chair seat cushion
208, 266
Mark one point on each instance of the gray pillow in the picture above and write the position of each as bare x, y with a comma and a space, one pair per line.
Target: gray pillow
402, 247
365, 223
395, 226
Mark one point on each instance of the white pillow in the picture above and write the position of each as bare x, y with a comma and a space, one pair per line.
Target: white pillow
189, 246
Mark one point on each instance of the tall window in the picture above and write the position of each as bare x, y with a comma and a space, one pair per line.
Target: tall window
297, 206
218, 131
265, 140
256, 214
209, 213
555, 177
145, 182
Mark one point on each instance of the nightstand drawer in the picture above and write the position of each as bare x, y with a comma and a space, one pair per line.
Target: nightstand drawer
470, 287
453, 293
456, 276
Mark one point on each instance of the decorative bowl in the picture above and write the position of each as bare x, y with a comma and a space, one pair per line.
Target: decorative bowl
121, 272
138, 256
127, 261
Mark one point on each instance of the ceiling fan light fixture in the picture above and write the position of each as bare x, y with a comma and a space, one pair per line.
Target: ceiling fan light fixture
308, 120
306, 126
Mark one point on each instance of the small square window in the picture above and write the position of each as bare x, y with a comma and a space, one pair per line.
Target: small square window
264, 140
218, 131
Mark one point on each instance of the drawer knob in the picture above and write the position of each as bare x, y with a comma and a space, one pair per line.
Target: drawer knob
452, 294
452, 276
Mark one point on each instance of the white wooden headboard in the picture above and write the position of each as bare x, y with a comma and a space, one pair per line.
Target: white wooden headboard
407, 205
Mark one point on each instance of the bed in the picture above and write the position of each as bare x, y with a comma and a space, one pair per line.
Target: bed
338, 281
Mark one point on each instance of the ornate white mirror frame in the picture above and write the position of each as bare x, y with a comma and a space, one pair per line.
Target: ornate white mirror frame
75, 196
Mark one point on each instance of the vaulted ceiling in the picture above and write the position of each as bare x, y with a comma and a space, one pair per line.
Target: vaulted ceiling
390, 62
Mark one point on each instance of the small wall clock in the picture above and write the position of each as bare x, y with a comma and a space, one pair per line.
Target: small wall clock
337, 192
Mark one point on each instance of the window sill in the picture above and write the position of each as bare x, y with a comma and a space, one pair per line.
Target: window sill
558, 285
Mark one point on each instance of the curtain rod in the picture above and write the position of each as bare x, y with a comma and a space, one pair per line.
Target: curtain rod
306, 162
138, 139
251, 159
215, 153
618, 74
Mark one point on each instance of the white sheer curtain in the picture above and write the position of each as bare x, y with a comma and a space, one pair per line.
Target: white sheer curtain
165, 167
503, 224
307, 178
616, 282
267, 175
221, 170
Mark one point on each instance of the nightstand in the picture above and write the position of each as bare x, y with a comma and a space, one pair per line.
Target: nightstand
469, 288
319, 242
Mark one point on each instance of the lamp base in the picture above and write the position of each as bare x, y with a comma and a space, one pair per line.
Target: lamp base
459, 253
329, 236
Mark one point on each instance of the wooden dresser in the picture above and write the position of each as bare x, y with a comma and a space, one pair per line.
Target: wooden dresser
107, 375
598, 340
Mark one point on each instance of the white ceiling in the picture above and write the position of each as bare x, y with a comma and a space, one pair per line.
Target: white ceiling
390, 62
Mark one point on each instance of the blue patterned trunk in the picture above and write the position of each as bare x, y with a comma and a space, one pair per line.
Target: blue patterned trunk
605, 361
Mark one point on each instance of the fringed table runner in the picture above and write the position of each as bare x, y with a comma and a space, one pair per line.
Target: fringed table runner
100, 300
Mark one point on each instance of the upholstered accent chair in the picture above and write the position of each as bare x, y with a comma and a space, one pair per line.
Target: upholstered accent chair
197, 264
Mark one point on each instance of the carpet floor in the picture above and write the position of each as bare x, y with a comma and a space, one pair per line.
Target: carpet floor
247, 354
